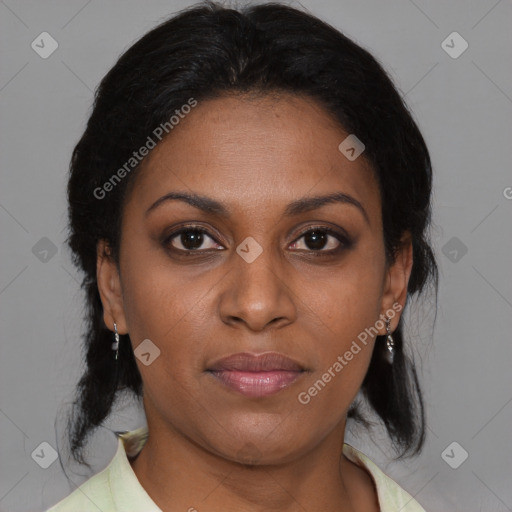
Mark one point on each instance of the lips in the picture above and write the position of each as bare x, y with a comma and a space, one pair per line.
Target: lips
256, 375
247, 362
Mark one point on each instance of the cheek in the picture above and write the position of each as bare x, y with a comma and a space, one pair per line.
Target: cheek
167, 309
343, 356
350, 300
159, 299
348, 306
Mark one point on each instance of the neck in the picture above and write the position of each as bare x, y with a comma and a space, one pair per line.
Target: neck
179, 474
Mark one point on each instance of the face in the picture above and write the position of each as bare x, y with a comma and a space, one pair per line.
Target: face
257, 268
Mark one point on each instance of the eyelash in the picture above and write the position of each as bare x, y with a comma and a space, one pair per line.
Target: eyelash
345, 242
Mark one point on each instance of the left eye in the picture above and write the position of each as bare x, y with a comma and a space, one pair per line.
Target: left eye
317, 239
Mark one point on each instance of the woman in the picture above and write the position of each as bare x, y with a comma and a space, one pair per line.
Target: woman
250, 204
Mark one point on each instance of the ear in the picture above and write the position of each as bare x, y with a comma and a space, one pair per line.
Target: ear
109, 287
396, 281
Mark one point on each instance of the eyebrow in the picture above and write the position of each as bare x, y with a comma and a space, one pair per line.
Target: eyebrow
303, 205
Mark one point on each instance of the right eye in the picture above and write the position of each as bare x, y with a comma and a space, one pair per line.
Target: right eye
189, 239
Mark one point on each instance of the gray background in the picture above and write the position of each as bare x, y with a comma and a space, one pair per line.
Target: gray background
463, 107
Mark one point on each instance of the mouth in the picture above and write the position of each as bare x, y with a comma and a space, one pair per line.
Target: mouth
256, 375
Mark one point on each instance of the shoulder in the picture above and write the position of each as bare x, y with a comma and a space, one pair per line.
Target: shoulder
93, 495
391, 496
116, 487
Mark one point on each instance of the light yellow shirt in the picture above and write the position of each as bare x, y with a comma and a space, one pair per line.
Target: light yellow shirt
116, 488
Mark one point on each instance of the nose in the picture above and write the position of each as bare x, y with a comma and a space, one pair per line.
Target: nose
257, 294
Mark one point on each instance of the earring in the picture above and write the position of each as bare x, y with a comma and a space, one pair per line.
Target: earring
390, 344
115, 345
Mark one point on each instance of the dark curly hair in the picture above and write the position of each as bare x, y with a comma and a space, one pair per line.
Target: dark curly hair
203, 52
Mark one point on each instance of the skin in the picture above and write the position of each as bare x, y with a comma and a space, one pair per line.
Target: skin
254, 155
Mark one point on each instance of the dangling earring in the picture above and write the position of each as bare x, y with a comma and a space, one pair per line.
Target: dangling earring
115, 345
390, 344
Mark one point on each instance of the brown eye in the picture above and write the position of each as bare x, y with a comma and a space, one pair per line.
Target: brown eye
322, 240
191, 239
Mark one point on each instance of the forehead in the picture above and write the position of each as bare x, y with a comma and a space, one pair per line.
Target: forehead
253, 153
